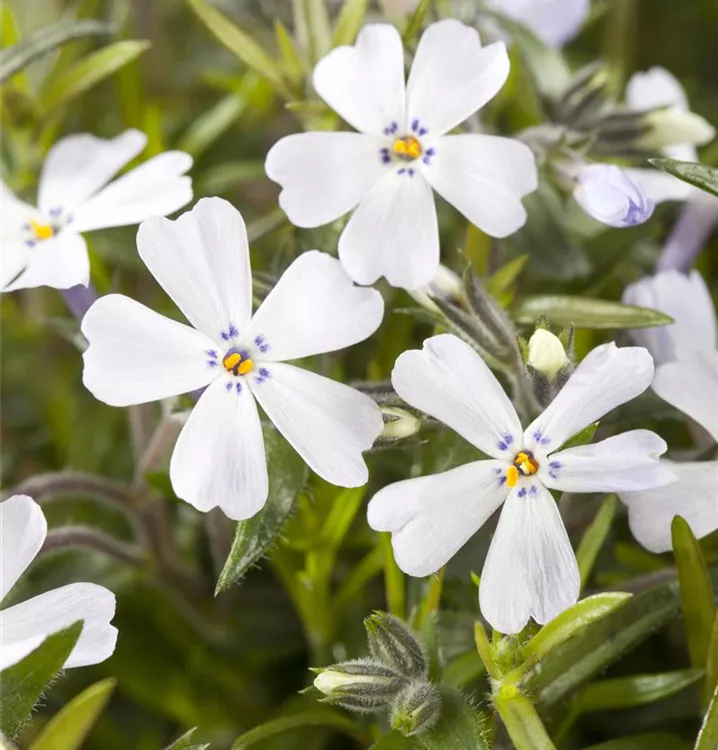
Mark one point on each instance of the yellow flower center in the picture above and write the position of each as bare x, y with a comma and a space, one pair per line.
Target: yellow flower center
407, 148
236, 364
42, 231
524, 464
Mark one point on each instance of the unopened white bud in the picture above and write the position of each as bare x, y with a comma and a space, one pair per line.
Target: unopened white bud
329, 681
398, 423
546, 353
673, 126
446, 284
607, 193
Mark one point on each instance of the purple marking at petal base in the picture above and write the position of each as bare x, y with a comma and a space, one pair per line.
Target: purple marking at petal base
533, 490
411, 172
522, 492
238, 387
498, 471
212, 353
555, 464
502, 446
228, 387
212, 362
55, 211
502, 481
233, 332
415, 124
423, 131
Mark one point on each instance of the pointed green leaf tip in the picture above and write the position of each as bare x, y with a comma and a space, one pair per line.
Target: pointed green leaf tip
698, 175
24, 683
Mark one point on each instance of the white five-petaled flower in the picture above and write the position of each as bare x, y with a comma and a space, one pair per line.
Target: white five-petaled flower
530, 570
687, 378
658, 88
608, 193
387, 170
555, 22
24, 626
136, 355
43, 245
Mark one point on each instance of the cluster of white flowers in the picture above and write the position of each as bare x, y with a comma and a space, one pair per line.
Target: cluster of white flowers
384, 174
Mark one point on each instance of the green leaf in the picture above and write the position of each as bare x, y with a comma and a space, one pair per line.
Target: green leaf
185, 742
349, 21
600, 643
413, 27
292, 62
586, 312
698, 175
708, 735
326, 719
637, 690
595, 536
519, 716
393, 741
69, 727
240, 43
318, 28
699, 608
463, 670
653, 741
24, 683
459, 728
583, 437
44, 40
89, 71
394, 579
712, 661
253, 537
571, 622
502, 279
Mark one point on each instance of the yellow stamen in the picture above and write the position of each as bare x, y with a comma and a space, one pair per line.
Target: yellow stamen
236, 364
526, 463
512, 476
42, 231
246, 366
407, 148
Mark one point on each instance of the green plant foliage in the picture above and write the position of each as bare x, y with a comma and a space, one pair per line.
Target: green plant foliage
703, 177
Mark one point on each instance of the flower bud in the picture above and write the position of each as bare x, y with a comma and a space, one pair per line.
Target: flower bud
607, 193
671, 126
361, 684
446, 285
546, 353
417, 709
398, 423
392, 643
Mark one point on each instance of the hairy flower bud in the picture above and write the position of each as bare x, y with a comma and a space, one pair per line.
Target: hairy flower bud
546, 353
361, 685
671, 126
398, 423
392, 643
609, 195
417, 709
446, 285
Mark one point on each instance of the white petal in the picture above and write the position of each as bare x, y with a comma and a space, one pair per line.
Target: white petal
202, 261
452, 76
609, 194
328, 423
15, 214
136, 355
660, 186
76, 167
654, 88
155, 188
691, 384
448, 380
13, 652
324, 175
14, 260
393, 233
694, 497
687, 300
365, 83
606, 378
431, 518
484, 177
621, 463
531, 569
58, 609
314, 308
60, 262
555, 22
219, 458
23, 528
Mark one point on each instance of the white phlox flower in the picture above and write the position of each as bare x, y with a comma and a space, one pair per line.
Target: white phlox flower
387, 170
656, 88
136, 355
24, 626
687, 378
686, 299
608, 194
531, 569
43, 245
555, 22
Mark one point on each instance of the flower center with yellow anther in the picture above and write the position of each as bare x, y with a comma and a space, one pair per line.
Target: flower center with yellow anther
41, 231
407, 148
234, 362
524, 465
